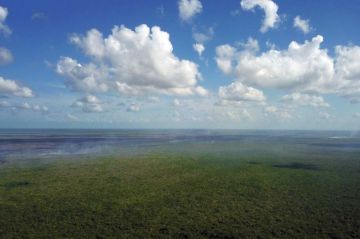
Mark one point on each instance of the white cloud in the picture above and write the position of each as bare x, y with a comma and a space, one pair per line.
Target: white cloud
36, 108
224, 58
302, 24
226, 55
305, 100
347, 66
189, 8
133, 108
270, 8
43, 109
10, 87
238, 115
199, 48
347, 62
304, 67
153, 67
89, 104
203, 35
282, 114
236, 91
5, 56
87, 78
3, 15
301, 67
40, 108
25, 106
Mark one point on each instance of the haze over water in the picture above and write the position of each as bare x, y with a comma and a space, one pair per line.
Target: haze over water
54, 143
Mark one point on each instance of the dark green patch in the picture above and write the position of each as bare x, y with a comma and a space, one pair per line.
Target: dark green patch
297, 166
16, 184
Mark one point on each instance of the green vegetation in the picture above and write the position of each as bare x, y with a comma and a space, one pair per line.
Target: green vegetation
214, 194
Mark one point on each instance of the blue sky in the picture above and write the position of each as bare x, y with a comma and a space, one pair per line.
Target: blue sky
249, 64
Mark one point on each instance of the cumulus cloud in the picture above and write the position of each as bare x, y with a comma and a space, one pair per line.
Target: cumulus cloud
302, 24
302, 67
36, 108
347, 66
5, 56
43, 109
270, 8
305, 100
89, 104
153, 67
4, 29
225, 55
236, 91
83, 77
189, 8
10, 87
25, 106
199, 48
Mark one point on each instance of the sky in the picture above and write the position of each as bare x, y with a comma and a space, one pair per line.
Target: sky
234, 64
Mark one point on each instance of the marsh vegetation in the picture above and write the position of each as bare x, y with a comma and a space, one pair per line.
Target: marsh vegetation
223, 190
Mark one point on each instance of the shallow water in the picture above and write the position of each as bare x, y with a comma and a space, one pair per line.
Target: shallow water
48, 143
